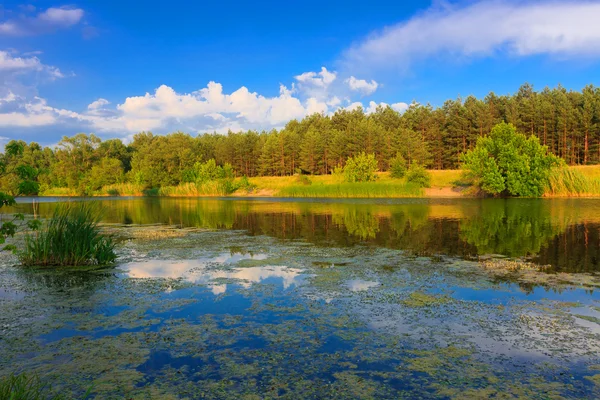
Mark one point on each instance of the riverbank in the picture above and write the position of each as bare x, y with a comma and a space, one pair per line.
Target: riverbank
578, 181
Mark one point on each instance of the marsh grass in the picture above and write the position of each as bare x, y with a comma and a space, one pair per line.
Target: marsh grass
121, 189
22, 387
572, 182
353, 190
220, 187
71, 237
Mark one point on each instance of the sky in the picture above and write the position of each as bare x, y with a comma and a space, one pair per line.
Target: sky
115, 68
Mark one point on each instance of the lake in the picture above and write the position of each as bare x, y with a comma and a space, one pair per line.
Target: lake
279, 298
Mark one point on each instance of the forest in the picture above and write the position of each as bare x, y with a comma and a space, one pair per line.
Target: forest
566, 121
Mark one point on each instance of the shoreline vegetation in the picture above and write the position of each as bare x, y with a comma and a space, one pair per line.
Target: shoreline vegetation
573, 181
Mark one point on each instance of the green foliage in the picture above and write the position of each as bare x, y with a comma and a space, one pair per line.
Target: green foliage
22, 387
108, 171
419, 176
360, 168
398, 167
509, 163
70, 238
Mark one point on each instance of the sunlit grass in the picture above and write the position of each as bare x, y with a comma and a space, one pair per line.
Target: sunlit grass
353, 190
59, 191
574, 182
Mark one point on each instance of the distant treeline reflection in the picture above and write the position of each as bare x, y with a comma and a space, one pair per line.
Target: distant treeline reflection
563, 233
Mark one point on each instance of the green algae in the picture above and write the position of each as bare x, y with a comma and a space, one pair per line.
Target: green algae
419, 299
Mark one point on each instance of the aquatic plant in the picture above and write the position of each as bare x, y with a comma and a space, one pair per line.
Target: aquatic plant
23, 387
71, 238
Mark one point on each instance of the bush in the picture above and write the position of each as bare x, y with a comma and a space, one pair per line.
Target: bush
398, 167
70, 238
360, 168
509, 163
418, 175
303, 179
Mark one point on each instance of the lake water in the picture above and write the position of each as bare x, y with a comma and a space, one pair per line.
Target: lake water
275, 298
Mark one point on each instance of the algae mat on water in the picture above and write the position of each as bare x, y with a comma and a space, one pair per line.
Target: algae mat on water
221, 314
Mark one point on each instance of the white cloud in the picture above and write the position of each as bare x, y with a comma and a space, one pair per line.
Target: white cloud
98, 104
13, 64
361, 85
400, 107
524, 28
50, 20
165, 110
317, 79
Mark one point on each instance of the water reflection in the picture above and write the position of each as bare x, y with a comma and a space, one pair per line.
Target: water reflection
211, 271
562, 233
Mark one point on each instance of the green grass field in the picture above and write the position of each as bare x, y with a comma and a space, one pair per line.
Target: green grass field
576, 181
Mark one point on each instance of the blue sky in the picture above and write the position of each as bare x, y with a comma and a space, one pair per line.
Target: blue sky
117, 68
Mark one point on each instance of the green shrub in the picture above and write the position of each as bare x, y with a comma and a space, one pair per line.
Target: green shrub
70, 238
508, 163
418, 175
398, 167
360, 168
303, 179
245, 184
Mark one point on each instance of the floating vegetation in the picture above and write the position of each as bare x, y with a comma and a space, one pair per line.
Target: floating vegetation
507, 265
223, 313
419, 299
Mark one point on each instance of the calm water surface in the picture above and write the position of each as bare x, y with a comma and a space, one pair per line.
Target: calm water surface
222, 298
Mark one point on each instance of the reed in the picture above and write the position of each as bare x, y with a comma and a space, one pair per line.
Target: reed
70, 238
22, 387
571, 182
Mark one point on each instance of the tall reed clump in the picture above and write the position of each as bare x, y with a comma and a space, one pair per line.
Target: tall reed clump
70, 238
571, 182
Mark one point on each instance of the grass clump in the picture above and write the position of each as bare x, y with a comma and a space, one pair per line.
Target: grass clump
70, 238
22, 387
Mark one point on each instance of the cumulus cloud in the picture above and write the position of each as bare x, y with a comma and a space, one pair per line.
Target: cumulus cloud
98, 104
361, 85
317, 79
164, 110
481, 29
50, 20
10, 64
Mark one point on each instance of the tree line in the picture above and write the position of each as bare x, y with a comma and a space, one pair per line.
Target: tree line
566, 121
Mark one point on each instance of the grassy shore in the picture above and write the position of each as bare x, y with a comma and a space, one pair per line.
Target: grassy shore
577, 181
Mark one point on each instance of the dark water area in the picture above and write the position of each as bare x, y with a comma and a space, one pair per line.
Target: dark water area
276, 298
